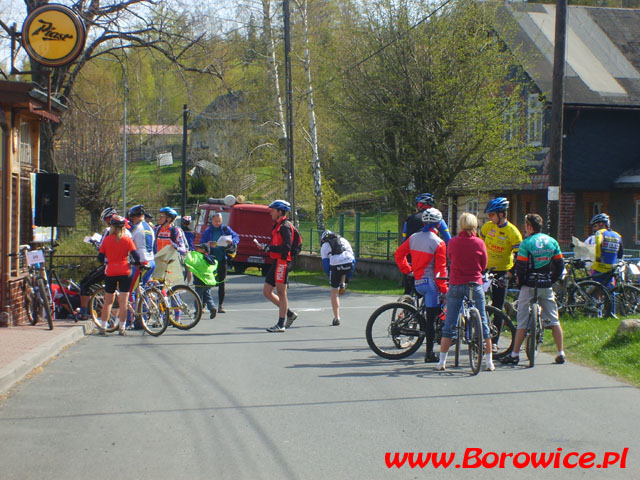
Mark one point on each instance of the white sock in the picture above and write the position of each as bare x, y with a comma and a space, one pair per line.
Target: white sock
561, 352
515, 354
443, 357
488, 357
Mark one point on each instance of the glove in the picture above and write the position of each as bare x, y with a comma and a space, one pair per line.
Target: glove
266, 248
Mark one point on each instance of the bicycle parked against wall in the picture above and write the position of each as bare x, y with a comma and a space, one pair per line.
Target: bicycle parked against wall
37, 294
151, 309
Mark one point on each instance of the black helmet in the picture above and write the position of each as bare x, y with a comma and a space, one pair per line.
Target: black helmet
136, 210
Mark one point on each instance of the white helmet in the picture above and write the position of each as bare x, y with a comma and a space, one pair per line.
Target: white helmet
431, 215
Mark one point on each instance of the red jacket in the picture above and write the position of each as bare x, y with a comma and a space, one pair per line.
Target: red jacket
428, 257
280, 246
467, 259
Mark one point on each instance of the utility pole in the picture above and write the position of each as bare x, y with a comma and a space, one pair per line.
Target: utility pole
185, 114
291, 184
557, 121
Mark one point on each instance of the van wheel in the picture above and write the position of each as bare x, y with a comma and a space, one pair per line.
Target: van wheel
239, 269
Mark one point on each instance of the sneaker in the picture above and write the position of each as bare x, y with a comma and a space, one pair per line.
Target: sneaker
221, 310
213, 313
441, 367
336, 322
276, 329
122, 331
431, 357
509, 360
560, 359
490, 367
290, 318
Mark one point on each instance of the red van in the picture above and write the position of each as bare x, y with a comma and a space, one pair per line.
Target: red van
249, 221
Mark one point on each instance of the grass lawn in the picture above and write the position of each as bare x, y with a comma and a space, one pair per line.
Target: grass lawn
593, 342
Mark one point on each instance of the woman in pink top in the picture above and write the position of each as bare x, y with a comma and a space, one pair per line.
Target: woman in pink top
467, 260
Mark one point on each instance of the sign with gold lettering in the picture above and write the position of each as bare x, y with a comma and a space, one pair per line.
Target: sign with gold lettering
53, 35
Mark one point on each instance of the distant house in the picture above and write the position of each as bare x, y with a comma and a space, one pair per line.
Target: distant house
146, 142
601, 150
221, 132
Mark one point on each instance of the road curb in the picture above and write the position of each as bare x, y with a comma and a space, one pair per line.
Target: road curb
15, 371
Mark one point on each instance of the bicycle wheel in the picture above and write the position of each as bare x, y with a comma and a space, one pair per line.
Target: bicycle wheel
45, 297
96, 302
153, 311
185, 307
460, 332
476, 345
502, 339
589, 299
532, 337
32, 306
394, 331
627, 300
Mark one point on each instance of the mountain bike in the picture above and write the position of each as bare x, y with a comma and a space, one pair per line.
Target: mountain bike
185, 306
37, 294
150, 308
469, 332
625, 296
501, 327
579, 295
535, 329
396, 330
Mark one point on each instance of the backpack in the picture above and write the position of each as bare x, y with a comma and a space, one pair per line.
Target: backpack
296, 240
336, 245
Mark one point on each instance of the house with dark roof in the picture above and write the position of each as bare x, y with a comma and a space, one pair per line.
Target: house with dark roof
601, 136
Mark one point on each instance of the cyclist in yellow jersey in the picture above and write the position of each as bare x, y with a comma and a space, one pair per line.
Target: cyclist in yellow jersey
502, 240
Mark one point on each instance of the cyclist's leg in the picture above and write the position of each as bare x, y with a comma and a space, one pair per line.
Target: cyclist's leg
498, 296
428, 289
550, 318
478, 299
455, 295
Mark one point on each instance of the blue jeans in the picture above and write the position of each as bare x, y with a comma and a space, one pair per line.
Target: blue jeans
455, 295
204, 292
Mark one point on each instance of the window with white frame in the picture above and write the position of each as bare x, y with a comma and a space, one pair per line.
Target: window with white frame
509, 118
472, 206
596, 209
535, 110
25, 144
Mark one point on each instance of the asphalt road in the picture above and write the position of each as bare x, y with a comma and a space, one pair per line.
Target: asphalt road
228, 400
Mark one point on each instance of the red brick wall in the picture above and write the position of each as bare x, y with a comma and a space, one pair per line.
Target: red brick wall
16, 300
589, 199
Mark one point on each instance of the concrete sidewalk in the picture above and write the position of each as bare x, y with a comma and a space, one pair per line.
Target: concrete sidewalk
25, 347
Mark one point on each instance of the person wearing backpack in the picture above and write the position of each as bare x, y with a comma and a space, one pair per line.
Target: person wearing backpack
339, 263
203, 265
166, 233
222, 250
279, 250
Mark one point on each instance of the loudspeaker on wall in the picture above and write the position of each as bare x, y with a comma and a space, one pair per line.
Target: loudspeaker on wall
55, 200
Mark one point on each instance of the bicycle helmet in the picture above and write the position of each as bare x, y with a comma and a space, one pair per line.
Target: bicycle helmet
498, 204
325, 235
426, 199
600, 218
108, 213
186, 220
431, 215
136, 210
118, 221
281, 205
169, 212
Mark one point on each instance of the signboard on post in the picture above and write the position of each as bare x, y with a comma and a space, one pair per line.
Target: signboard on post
53, 35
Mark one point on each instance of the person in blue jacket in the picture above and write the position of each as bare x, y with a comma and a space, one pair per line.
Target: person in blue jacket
221, 252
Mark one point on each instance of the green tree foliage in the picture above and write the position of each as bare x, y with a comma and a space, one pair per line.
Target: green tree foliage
427, 108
